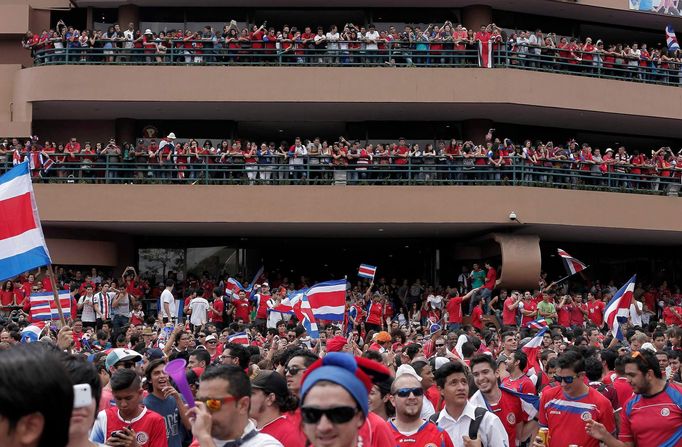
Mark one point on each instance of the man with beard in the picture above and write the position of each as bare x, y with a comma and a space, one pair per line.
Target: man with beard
507, 407
407, 425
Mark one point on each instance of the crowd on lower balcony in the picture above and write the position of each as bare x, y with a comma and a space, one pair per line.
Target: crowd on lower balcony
444, 44
319, 161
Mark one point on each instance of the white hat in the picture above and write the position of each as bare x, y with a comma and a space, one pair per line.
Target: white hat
171, 136
648, 347
210, 338
440, 361
608, 150
407, 369
148, 31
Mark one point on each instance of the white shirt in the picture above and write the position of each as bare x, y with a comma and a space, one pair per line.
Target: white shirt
88, 303
167, 297
260, 440
333, 39
199, 307
369, 35
129, 36
427, 409
635, 319
491, 432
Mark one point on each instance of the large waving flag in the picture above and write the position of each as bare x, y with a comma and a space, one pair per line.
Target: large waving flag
22, 244
530, 403
43, 306
531, 349
328, 299
32, 332
308, 321
252, 289
233, 287
619, 307
573, 266
239, 338
671, 39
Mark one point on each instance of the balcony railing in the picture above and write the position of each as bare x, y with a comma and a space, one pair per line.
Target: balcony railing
549, 60
322, 171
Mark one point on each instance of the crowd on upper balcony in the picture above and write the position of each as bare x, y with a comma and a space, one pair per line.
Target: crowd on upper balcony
321, 161
435, 44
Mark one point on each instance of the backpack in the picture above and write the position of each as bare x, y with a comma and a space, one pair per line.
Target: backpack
479, 414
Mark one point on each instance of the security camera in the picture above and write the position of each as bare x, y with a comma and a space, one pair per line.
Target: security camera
512, 216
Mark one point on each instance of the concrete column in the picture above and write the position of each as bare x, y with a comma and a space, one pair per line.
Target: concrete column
521, 260
125, 130
475, 130
476, 15
127, 14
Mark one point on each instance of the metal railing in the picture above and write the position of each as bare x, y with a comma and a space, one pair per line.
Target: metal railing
324, 171
552, 60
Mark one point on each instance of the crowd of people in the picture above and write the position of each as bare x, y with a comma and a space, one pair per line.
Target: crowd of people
464, 364
318, 160
446, 44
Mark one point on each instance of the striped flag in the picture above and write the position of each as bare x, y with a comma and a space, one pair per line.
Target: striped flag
671, 39
537, 324
328, 300
367, 271
531, 349
573, 266
530, 403
308, 321
43, 306
252, 289
233, 287
22, 244
32, 332
238, 337
619, 307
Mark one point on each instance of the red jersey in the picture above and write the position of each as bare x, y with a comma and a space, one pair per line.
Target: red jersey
375, 313
150, 427
577, 315
454, 308
623, 389
477, 317
283, 430
216, 316
242, 309
509, 316
427, 435
654, 420
490, 278
564, 315
522, 385
532, 306
595, 312
565, 416
509, 411
376, 432
6, 298
262, 311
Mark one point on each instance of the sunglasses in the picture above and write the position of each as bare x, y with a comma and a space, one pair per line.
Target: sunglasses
335, 415
440, 345
293, 370
126, 365
211, 342
405, 392
214, 405
567, 379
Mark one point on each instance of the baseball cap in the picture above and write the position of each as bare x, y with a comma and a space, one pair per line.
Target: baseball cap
270, 382
121, 355
383, 336
153, 354
210, 338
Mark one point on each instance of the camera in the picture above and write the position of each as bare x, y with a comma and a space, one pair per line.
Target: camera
512, 216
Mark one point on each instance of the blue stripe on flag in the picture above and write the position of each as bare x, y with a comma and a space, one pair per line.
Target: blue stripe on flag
17, 171
23, 262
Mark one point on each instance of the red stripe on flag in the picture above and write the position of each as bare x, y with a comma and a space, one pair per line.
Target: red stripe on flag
16, 216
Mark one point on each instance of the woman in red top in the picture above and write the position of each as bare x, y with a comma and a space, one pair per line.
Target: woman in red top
181, 158
7, 297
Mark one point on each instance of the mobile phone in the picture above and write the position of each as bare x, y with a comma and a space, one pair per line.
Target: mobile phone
82, 395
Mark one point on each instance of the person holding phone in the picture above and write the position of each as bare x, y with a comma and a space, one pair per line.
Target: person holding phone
86, 396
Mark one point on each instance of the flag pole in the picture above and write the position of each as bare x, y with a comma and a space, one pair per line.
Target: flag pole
55, 294
568, 276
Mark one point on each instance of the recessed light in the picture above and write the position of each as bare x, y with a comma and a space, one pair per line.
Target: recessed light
380, 230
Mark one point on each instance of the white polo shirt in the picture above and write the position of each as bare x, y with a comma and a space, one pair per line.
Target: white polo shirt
491, 432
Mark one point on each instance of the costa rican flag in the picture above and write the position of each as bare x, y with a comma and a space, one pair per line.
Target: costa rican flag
485, 54
618, 309
32, 332
328, 300
308, 321
367, 271
22, 244
238, 337
233, 287
530, 403
43, 306
671, 39
291, 304
573, 266
531, 349
537, 324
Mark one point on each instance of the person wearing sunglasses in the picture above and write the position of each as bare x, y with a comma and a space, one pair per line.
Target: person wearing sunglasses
653, 416
334, 399
408, 427
221, 415
566, 408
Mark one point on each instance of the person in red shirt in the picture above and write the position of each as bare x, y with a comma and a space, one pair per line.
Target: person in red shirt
270, 401
565, 409
653, 417
477, 316
504, 405
510, 309
375, 314
215, 312
564, 309
517, 380
7, 297
595, 310
129, 419
454, 308
529, 308
401, 157
242, 308
488, 285
408, 428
